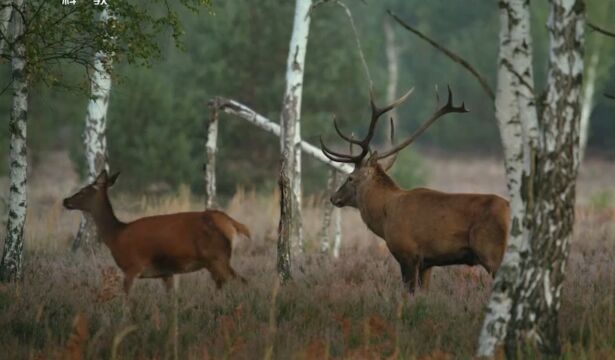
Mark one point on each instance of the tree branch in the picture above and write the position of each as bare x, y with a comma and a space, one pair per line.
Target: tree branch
601, 30
609, 96
456, 58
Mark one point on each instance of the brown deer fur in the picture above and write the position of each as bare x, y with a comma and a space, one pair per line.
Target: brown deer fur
422, 228
164, 245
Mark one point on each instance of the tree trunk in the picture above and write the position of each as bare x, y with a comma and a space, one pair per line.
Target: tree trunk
211, 148
291, 112
551, 191
588, 101
325, 238
11, 264
541, 164
94, 139
5, 17
514, 32
337, 232
392, 53
286, 216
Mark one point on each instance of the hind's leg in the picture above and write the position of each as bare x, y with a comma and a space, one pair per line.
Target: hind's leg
424, 276
222, 271
488, 242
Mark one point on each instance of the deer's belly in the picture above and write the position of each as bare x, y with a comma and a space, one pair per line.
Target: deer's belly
167, 267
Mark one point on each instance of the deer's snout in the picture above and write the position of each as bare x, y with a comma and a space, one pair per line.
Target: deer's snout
67, 204
336, 201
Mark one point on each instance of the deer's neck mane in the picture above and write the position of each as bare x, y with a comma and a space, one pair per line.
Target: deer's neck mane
373, 198
107, 223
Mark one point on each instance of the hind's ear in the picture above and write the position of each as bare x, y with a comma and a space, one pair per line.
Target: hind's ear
112, 179
101, 179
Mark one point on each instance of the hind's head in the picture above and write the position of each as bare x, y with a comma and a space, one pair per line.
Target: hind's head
90, 196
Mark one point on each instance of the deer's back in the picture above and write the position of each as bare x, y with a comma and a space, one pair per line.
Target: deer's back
182, 237
432, 221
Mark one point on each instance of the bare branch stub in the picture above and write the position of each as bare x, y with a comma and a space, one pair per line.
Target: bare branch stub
601, 30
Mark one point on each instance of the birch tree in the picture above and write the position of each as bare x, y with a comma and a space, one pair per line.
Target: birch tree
43, 37
12, 256
290, 122
541, 158
6, 9
526, 295
94, 137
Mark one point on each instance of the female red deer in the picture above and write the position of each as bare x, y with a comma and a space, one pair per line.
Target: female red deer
421, 227
161, 246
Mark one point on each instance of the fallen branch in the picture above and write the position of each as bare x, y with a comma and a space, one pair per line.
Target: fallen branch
233, 107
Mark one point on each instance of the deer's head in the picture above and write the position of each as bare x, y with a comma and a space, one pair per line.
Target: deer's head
91, 195
371, 166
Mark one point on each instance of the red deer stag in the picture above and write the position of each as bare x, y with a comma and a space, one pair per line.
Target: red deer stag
161, 246
421, 227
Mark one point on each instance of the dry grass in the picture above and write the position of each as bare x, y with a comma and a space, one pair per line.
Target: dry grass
70, 305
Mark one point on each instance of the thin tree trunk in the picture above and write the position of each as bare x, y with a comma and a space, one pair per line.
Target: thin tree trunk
12, 256
325, 238
286, 214
211, 148
291, 112
94, 138
337, 232
588, 101
392, 53
5, 17
514, 55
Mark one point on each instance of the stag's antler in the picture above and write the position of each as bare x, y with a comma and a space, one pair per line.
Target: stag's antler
363, 144
446, 109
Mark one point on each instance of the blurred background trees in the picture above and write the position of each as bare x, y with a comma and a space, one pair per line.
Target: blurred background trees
157, 114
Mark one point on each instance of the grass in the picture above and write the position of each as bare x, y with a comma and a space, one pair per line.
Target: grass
71, 305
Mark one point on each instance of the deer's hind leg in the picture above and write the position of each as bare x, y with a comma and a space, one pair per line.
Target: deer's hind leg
488, 242
424, 277
221, 271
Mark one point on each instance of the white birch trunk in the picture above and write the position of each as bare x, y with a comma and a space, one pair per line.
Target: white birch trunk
588, 101
392, 54
12, 256
526, 295
5, 17
550, 191
514, 54
211, 148
235, 108
291, 112
94, 138
325, 238
337, 232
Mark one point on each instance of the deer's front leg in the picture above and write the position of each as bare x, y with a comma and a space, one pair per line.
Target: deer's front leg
409, 267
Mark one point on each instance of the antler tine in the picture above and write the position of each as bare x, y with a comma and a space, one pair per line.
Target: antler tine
446, 109
339, 132
335, 156
449, 104
396, 103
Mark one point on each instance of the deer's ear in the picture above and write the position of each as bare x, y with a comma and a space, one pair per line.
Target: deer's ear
101, 179
112, 179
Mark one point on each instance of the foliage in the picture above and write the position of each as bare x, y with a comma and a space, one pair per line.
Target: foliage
157, 115
56, 35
